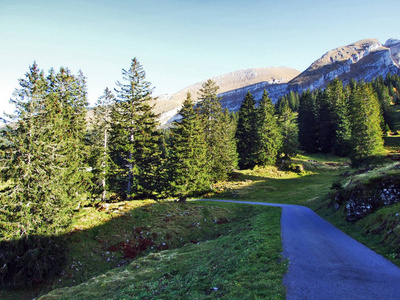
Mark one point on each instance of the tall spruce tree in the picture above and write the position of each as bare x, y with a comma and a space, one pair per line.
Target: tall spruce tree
187, 160
384, 99
246, 133
289, 130
69, 95
268, 137
43, 161
340, 117
325, 128
136, 139
99, 142
365, 123
219, 136
307, 122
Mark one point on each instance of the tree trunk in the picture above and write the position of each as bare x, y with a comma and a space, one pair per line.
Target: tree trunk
183, 199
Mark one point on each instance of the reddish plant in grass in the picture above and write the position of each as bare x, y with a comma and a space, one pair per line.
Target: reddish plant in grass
222, 221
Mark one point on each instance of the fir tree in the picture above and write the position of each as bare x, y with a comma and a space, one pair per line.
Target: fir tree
187, 160
218, 132
136, 139
68, 95
307, 122
384, 99
365, 118
325, 128
43, 159
268, 135
289, 132
246, 133
99, 141
340, 117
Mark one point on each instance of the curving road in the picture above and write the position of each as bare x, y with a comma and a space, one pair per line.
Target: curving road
327, 264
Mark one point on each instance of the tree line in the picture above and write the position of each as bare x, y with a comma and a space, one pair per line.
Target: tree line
348, 120
53, 160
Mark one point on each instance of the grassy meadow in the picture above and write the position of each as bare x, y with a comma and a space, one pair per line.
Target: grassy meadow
208, 250
203, 250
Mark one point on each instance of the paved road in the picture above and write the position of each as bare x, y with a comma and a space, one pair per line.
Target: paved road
327, 264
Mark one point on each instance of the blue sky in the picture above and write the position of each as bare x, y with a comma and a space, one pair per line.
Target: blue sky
179, 42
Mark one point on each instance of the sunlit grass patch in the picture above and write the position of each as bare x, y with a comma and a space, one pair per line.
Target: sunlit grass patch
278, 185
388, 170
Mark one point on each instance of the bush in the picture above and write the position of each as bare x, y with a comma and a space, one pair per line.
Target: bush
31, 260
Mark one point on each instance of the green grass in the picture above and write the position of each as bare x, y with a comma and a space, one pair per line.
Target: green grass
270, 184
200, 250
194, 248
392, 141
242, 263
379, 231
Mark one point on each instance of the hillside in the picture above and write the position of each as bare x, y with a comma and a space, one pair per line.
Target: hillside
169, 105
362, 60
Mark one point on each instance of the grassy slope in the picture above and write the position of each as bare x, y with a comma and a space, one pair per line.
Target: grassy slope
241, 260
251, 236
233, 248
270, 184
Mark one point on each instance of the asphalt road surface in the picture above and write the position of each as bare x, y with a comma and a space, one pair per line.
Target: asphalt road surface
325, 263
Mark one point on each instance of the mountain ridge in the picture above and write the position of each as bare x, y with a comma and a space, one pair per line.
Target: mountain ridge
169, 105
362, 60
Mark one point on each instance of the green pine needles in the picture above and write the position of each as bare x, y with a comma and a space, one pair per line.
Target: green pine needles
258, 133
348, 121
136, 140
43, 158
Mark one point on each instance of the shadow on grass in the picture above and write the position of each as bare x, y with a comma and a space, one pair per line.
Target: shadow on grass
121, 236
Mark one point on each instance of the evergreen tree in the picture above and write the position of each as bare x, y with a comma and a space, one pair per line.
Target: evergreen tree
68, 94
325, 128
268, 135
187, 160
99, 142
246, 133
136, 139
307, 122
365, 118
384, 99
218, 132
340, 117
228, 156
293, 100
289, 131
281, 104
43, 159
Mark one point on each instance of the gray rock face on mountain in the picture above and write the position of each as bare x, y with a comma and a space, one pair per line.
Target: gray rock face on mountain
394, 46
168, 106
363, 60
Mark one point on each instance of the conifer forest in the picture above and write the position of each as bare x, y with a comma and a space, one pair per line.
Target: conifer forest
54, 159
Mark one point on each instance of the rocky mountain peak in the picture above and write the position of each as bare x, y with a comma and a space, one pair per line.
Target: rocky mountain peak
362, 60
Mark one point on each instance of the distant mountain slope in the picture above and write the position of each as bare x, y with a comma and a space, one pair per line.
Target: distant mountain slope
362, 60
169, 105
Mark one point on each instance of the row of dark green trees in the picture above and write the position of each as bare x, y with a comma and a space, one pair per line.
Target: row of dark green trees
54, 159
348, 120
